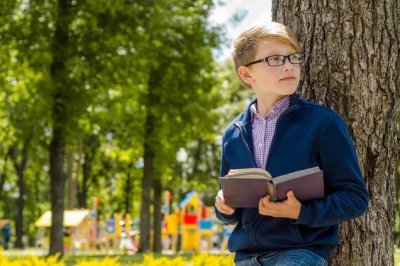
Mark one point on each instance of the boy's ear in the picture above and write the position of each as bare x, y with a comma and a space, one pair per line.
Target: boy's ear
245, 74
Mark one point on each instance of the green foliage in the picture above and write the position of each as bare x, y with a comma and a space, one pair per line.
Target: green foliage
125, 60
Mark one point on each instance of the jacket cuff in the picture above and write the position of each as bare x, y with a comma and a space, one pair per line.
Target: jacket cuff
226, 218
305, 216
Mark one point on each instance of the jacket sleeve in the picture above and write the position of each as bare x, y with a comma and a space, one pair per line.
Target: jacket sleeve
346, 195
224, 169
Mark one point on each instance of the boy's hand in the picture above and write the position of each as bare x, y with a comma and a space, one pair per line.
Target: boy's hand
221, 206
289, 208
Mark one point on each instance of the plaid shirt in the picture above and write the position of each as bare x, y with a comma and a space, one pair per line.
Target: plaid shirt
263, 129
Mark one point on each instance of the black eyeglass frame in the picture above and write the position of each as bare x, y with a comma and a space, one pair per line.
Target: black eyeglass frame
284, 60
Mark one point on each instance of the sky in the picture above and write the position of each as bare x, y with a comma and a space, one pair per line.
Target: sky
256, 12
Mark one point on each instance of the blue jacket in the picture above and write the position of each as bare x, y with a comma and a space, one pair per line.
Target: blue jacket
306, 135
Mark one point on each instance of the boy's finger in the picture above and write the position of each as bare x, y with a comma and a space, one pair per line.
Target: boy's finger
265, 201
226, 209
290, 195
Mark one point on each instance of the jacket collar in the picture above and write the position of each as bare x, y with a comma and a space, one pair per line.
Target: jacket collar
294, 103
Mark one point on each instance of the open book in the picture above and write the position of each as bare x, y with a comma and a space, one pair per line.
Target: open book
245, 187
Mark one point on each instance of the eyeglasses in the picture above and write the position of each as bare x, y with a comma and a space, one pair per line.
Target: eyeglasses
279, 60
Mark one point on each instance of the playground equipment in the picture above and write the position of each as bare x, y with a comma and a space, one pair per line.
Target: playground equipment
78, 229
189, 228
83, 232
191, 224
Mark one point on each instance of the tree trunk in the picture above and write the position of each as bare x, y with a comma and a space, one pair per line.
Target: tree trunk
150, 142
19, 222
77, 172
157, 215
90, 146
352, 63
145, 217
58, 76
71, 183
3, 177
19, 218
84, 185
19, 166
128, 191
57, 149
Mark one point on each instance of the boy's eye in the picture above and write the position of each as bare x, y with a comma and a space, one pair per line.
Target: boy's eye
274, 59
296, 58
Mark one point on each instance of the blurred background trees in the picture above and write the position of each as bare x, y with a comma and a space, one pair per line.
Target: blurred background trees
114, 99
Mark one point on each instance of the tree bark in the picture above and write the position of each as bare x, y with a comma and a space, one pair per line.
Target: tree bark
150, 142
145, 217
352, 63
3, 177
157, 215
90, 146
56, 151
77, 170
59, 116
128, 191
71, 183
20, 158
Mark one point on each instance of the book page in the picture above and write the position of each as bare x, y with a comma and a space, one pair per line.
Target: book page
250, 173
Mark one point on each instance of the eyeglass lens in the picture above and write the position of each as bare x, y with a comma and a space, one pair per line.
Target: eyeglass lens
277, 60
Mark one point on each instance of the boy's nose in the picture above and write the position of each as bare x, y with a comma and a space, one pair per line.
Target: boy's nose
287, 66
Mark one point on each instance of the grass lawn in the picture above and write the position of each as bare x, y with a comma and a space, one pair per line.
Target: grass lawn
71, 260
396, 256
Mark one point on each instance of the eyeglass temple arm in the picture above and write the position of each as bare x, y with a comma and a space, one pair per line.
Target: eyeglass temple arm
255, 62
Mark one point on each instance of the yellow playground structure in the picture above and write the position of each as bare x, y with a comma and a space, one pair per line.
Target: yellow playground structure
190, 227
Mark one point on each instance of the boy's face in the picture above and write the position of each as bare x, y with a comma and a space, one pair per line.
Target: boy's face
272, 82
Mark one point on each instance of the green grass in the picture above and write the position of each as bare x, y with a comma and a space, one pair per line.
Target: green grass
71, 260
396, 256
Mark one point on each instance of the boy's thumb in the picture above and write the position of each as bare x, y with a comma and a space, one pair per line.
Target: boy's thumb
290, 195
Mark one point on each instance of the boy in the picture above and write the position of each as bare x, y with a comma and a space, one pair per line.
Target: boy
283, 133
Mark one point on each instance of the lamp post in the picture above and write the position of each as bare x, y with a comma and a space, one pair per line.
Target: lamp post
181, 157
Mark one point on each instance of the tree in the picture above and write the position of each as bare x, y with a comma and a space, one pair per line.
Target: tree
178, 95
352, 61
60, 120
23, 106
91, 40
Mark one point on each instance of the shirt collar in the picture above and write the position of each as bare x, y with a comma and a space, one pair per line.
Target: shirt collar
273, 112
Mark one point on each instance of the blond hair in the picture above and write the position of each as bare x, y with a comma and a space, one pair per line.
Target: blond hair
245, 45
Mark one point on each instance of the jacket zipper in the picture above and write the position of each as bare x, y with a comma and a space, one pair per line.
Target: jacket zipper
246, 144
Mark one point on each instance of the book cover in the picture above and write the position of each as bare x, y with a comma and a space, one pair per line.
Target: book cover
245, 187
